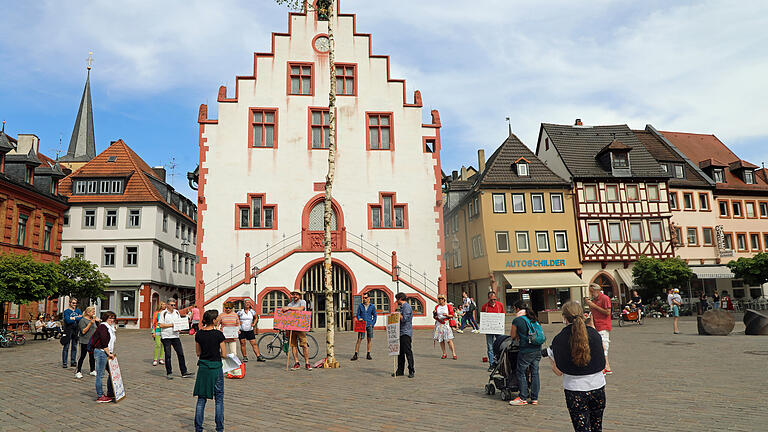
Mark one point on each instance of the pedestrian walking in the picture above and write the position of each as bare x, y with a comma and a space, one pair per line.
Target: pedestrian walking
298, 337
406, 336
577, 355
468, 307
209, 384
443, 314
600, 310
159, 352
85, 329
365, 312
249, 321
675, 301
493, 306
104, 349
230, 320
69, 339
170, 338
525, 329
194, 316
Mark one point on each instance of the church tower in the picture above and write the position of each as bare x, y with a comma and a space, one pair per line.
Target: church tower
82, 145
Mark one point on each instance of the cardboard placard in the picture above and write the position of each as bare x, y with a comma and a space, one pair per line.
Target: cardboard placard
180, 324
393, 333
117, 379
230, 332
492, 323
359, 326
231, 362
292, 320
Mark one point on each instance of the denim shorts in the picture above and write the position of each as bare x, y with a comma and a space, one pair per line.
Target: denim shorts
368, 332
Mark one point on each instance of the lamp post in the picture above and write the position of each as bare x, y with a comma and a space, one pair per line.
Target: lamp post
397, 277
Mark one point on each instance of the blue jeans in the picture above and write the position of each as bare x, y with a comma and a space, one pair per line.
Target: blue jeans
489, 340
525, 359
101, 367
468, 317
73, 342
218, 394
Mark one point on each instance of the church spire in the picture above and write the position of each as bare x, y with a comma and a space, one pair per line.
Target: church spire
82, 145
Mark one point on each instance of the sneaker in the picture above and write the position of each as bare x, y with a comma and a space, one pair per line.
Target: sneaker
368, 356
534, 402
92, 373
354, 357
154, 363
161, 361
475, 331
64, 365
260, 359
78, 375
104, 399
459, 331
411, 375
297, 366
308, 367
188, 375
245, 359
169, 376
517, 402
73, 364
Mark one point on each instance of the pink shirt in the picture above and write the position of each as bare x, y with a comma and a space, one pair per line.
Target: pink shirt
602, 320
195, 314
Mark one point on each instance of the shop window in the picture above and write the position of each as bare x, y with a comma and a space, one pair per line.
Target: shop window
379, 126
502, 241
319, 128
127, 303
300, 78
388, 213
263, 127
379, 299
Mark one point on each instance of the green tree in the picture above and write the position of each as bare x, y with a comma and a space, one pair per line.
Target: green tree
24, 280
657, 275
754, 271
81, 279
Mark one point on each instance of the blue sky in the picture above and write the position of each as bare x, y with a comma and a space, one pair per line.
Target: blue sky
693, 66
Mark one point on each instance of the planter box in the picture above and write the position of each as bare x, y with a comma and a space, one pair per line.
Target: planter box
550, 317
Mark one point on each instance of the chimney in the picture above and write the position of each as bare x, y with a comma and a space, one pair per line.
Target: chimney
454, 175
481, 160
160, 171
578, 123
463, 172
26, 142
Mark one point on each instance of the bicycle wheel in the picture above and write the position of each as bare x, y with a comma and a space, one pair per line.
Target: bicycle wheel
20, 340
270, 345
5, 343
312, 348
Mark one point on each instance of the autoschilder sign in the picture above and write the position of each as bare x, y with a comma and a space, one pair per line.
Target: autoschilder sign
536, 263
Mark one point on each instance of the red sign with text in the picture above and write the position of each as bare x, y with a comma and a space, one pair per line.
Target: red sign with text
292, 320
359, 326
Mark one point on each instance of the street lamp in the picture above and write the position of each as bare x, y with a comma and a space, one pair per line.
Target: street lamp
397, 277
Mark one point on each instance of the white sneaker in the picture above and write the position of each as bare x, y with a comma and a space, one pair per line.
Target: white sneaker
93, 373
475, 331
78, 375
459, 331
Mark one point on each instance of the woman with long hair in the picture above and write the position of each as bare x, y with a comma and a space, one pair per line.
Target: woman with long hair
156, 335
85, 329
577, 355
522, 329
209, 384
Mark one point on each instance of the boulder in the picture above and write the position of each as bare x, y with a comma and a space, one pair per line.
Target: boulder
716, 322
756, 322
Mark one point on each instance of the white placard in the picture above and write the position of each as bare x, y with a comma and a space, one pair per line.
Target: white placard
230, 332
117, 379
180, 324
393, 333
231, 362
492, 323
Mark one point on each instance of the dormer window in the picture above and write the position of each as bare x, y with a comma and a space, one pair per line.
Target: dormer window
664, 167
521, 167
719, 175
620, 160
749, 176
29, 175
679, 171
98, 187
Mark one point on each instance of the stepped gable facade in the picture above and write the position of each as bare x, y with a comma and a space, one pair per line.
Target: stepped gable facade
261, 177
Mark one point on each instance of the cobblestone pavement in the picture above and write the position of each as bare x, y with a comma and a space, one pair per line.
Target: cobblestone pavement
662, 382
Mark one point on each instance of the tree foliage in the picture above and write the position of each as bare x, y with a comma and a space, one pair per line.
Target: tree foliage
754, 271
23, 280
81, 279
657, 275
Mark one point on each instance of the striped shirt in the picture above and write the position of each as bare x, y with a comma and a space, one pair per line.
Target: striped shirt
229, 320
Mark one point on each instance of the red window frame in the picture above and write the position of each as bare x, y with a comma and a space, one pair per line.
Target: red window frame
380, 207
248, 205
325, 113
760, 203
693, 201
709, 204
746, 242
379, 127
711, 236
755, 247
253, 124
742, 211
348, 76
727, 214
755, 209
290, 75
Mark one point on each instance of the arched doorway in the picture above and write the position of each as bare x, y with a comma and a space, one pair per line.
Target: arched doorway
311, 284
606, 283
313, 221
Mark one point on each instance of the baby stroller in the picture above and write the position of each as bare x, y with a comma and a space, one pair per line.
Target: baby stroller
504, 374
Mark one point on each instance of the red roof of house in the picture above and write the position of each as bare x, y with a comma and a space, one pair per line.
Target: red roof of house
701, 147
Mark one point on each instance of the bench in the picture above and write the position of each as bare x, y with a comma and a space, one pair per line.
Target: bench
38, 334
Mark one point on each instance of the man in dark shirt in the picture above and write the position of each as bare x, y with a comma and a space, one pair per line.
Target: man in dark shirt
406, 334
72, 316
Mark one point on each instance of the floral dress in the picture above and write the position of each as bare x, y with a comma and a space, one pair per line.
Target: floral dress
443, 331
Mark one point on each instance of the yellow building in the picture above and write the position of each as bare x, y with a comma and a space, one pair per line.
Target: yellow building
513, 219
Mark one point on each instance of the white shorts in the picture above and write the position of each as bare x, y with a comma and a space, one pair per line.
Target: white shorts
606, 335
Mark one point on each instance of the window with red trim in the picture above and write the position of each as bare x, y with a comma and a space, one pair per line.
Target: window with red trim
379, 299
345, 80
263, 127
257, 214
379, 131
388, 213
320, 128
300, 78
416, 305
273, 300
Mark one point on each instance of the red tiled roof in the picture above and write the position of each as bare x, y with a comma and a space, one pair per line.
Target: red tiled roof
706, 163
701, 147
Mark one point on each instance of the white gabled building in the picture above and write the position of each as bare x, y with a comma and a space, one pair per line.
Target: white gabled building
262, 170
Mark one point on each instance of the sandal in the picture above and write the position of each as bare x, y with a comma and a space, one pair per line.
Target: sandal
455, 357
444, 356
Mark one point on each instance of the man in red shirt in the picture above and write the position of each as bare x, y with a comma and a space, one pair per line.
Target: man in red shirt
493, 306
600, 308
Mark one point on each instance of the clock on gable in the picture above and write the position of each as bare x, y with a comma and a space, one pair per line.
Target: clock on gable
322, 44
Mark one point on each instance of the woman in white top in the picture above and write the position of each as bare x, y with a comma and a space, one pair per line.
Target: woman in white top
577, 355
443, 314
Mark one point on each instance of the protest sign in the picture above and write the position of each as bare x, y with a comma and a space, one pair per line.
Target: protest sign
117, 379
230, 332
393, 333
359, 326
492, 323
292, 320
180, 324
231, 362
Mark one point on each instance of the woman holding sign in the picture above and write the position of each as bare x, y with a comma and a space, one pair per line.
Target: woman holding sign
443, 314
230, 326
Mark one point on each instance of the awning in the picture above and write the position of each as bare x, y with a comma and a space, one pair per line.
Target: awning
713, 272
626, 276
535, 280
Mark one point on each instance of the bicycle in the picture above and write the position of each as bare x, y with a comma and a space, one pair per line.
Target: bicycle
10, 338
272, 344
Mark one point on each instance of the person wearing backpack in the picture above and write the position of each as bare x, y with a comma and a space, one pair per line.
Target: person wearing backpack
528, 331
